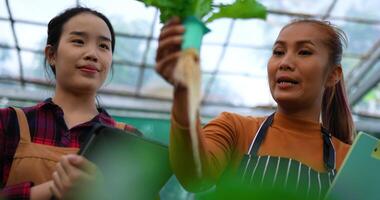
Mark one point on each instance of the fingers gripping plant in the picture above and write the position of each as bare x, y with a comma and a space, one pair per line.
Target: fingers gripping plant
194, 14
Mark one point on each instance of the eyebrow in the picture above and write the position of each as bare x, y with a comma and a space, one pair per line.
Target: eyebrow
298, 43
83, 34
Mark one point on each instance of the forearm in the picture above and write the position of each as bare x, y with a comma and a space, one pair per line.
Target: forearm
181, 152
180, 107
214, 146
182, 161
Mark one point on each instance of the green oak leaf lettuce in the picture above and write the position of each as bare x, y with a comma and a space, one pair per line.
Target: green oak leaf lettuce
203, 9
241, 9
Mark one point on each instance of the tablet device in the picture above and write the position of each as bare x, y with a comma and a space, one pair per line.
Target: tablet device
133, 167
359, 176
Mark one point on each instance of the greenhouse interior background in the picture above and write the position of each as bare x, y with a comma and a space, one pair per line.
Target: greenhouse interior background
233, 60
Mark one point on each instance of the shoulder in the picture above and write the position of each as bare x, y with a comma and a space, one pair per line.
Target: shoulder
8, 115
5, 111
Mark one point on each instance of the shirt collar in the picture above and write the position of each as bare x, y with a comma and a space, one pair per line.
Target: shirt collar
103, 116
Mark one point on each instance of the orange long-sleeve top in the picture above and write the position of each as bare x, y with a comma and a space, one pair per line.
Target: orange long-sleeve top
225, 139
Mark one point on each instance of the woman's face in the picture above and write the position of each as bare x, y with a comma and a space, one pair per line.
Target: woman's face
84, 56
297, 68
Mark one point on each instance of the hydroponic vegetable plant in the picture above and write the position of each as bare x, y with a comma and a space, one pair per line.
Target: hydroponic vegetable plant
195, 14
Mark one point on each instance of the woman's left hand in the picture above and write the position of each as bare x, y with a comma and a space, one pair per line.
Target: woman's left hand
73, 175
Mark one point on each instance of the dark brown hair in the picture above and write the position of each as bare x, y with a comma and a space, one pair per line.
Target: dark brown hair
336, 113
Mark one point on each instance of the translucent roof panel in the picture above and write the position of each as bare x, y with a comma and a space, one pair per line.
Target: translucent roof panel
219, 30
129, 49
349, 63
9, 65
6, 38
38, 10
31, 36
356, 32
33, 65
370, 104
151, 54
359, 9
296, 6
210, 56
122, 78
240, 90
257, 33
155, 86
130, 17
245, 61
3, 9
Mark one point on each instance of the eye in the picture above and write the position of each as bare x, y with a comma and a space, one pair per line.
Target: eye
305, 53
77, 41
104, 46
278, 52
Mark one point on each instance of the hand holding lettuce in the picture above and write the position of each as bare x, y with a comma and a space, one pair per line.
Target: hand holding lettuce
195, 14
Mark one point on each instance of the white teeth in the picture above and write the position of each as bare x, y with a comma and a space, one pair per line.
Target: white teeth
281, 81
284, 82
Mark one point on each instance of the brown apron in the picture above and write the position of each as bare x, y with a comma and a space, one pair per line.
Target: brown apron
35, 162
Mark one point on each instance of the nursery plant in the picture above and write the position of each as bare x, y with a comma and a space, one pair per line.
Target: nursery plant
195, 15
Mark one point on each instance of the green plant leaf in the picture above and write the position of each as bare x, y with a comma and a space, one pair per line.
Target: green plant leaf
180, 8
198, 8
241, 9
201, 8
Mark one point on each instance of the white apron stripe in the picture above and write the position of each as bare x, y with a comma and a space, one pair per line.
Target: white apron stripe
275, 174
246, 166
298, 175
309, 183
265, 170
320, 186
287, 173
254, 170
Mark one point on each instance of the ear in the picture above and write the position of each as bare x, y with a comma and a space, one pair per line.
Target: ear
50, 55
334, 76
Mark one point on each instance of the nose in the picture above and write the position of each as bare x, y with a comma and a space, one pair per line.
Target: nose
287, 63
91, 54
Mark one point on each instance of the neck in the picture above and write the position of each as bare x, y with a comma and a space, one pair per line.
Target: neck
73, 103
309, 114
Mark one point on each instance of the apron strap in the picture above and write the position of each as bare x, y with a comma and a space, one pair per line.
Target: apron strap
260, 135
23, 125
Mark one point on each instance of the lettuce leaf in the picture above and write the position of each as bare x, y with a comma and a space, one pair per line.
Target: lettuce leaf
241, 9
180, 8
201, 8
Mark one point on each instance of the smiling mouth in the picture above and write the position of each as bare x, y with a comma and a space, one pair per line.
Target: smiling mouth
287, 82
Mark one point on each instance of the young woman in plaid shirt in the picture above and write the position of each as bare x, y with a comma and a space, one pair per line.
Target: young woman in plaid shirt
38, 144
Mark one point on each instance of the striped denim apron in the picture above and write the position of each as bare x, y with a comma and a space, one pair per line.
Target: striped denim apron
285, 173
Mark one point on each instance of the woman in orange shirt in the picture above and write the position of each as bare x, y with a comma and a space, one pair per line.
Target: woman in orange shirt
300, 146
